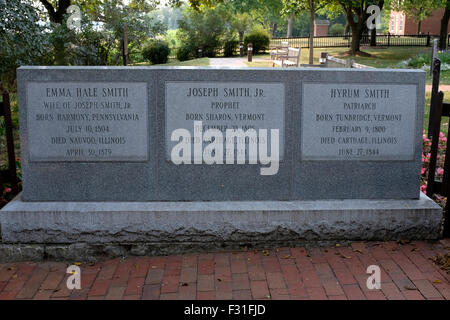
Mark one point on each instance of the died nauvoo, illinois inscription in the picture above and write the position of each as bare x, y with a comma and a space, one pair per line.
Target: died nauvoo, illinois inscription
87, 121
358, 121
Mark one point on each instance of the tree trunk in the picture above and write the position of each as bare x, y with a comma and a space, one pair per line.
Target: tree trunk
274, 29
290, 26
418, 27
444, 27
373, 37
356, 38
346, 28
56, 16
373, 34
356, 31
311, 30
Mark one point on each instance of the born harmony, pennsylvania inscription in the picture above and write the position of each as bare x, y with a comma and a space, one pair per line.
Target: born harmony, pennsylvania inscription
208, 134
97, 121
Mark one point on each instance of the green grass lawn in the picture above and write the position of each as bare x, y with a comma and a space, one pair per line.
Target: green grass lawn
381, 57
176, 63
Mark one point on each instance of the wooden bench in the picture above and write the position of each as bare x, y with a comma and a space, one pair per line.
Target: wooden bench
292, 58
279, 50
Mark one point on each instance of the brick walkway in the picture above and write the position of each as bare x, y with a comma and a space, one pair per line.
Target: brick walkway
339, 272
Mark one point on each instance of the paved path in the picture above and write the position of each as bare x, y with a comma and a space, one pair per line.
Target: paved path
442, 87
231, 62
227, 62
407, 272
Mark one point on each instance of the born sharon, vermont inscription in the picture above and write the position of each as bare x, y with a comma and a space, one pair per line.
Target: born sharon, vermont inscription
226, 106
87, 121
358, 121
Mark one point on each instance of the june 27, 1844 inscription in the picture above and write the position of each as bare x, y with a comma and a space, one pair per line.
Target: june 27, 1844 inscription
358, 121
87, 121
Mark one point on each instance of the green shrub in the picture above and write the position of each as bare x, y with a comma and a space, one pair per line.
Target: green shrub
203, 31
424, 59
230, 47
185, 52
336, 29
157, 52
259, 37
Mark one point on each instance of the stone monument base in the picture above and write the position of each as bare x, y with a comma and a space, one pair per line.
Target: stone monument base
66, 230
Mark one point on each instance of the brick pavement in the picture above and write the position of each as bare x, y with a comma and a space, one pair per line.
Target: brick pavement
338, 272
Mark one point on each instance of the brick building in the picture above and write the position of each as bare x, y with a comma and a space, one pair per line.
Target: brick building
400, 24
321, 27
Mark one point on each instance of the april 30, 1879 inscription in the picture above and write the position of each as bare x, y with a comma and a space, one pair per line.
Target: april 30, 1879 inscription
358, 121
87, 121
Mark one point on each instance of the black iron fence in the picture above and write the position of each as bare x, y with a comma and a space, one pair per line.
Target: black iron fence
439, 109
9, 175
387, 40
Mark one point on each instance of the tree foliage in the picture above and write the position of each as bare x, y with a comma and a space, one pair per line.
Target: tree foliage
203, 31
22, 40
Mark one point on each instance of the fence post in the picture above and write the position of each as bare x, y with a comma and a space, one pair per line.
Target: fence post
10, 142
250, 52
434, 142
434, 94
389, 39
433, 55
446, 190
125, 45
428, 39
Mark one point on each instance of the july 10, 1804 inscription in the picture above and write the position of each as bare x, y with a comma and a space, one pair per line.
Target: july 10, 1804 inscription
98, 121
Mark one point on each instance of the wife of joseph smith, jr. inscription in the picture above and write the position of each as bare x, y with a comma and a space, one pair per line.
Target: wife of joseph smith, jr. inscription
84, 121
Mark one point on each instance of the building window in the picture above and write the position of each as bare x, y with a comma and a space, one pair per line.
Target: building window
396, 23
392, 23
400, 27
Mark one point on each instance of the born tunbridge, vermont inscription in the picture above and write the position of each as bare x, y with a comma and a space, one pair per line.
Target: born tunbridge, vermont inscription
358, 121
350, 142
105, 134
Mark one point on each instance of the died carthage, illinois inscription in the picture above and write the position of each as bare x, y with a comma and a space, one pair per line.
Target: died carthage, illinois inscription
358, 121
187, 134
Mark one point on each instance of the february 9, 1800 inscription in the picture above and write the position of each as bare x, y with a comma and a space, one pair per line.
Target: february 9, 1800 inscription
358, 121
101, 121
207, 134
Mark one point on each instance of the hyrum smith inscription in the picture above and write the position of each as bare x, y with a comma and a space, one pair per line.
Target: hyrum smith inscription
358, 121
87, 121
207, 134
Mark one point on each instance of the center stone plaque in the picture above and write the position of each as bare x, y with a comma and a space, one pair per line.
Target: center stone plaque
358, 121
87, 121
224, 105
